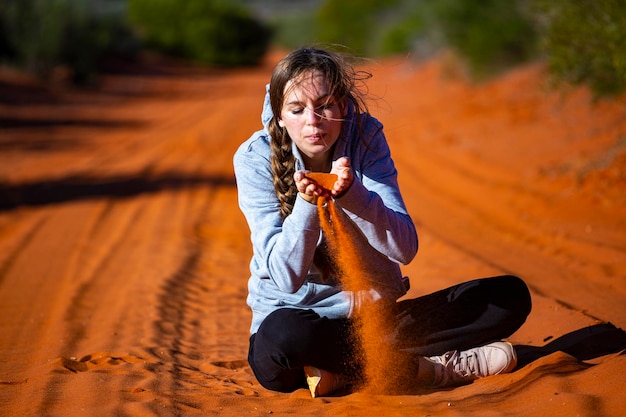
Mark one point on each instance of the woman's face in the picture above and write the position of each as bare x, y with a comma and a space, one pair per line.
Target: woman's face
312, 118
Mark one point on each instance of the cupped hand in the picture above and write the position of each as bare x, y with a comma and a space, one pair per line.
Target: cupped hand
308, 188
345, 175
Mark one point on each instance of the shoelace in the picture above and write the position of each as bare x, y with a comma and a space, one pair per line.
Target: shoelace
467, 363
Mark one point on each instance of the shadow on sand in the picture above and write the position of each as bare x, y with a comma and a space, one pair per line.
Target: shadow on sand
13, 123
577, 347
75, 188
583, 344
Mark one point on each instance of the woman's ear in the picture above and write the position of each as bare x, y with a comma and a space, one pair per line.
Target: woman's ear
281, 123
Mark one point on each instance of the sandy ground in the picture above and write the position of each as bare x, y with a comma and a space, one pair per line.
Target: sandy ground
123, 255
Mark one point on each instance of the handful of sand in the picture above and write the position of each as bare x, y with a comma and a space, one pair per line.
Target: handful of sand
325, 180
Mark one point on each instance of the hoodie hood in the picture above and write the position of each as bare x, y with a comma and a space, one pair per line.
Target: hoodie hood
266, 114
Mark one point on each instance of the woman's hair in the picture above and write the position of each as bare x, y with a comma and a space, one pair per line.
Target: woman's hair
345, 83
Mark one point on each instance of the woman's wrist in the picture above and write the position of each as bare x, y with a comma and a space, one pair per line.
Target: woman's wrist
309, 198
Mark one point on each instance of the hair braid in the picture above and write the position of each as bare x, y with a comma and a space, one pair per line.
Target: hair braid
283, 167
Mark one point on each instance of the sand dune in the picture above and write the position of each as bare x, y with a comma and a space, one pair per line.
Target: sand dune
124, 257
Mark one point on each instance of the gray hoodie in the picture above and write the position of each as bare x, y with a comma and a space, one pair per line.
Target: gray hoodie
282, 271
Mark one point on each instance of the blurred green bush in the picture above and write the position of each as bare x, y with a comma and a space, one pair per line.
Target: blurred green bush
77, 35
584, 41
490, 35
41, 35
217, 32
354, 23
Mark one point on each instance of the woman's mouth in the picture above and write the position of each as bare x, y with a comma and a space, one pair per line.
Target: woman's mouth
316, 137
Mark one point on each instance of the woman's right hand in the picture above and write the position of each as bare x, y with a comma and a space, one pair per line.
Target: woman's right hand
308, 188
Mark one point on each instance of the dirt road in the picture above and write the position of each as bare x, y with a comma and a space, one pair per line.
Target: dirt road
124, 257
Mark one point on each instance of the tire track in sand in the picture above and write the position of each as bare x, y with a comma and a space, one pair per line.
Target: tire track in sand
196, 339
19, 243
109, 326
88, 313
199, 335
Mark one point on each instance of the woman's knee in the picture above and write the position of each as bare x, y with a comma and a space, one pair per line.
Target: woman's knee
288, 329
520, 293
511, 295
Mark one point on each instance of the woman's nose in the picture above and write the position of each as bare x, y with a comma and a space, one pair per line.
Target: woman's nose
312, 117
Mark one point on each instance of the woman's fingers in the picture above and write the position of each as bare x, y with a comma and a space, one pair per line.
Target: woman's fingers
307, 185
345, 175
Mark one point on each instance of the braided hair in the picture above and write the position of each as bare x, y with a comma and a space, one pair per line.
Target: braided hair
344, 81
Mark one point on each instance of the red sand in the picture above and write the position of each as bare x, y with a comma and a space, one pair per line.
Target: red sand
325, 180
124, 257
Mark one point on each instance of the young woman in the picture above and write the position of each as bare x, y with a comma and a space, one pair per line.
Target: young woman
315, 120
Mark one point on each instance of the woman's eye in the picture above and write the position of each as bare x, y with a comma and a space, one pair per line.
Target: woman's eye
317, 110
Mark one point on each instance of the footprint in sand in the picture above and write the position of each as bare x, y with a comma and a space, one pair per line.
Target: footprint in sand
231, 383
236, 364
97, 361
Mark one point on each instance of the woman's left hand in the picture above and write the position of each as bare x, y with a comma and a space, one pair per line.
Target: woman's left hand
345, 175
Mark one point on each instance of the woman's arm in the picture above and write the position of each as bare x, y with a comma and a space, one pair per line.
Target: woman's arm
374, 201
283, 250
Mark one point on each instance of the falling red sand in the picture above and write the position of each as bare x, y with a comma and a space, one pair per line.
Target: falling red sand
124, 257
370, 319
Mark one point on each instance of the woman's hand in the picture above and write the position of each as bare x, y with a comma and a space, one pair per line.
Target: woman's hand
345, 176
310, 190
307, 187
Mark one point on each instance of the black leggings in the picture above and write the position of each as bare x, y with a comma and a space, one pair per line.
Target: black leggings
463, 316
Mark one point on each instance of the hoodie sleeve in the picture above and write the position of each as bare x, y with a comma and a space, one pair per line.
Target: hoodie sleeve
283, 250
374, 201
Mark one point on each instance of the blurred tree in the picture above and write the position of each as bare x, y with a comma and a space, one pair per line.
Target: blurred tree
41, 35
490, 35
216, 32
585, 42
35, 30
354, 23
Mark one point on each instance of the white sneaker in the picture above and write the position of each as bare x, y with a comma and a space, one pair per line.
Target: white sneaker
457, 368
322, 383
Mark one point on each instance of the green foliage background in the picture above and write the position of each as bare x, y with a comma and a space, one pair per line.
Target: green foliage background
583, 41
39, 35
217, 32
490, 35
